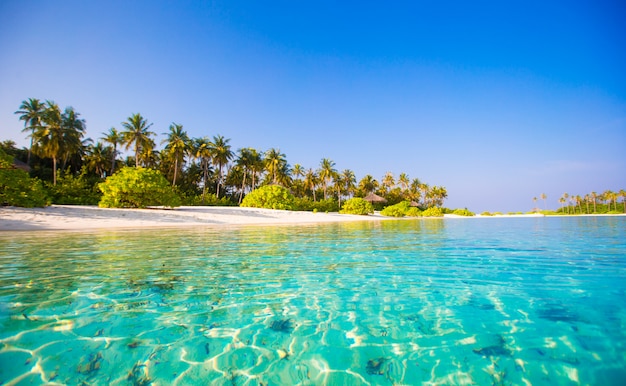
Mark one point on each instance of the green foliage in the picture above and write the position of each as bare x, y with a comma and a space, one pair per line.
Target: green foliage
269, 197
17, 188
486, 214
414, 212
433, 212
463, 212
209, 200
71, 190
398, 210
137, 188
357, 205
306, 204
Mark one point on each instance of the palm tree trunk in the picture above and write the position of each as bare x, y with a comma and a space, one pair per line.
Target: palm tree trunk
206, 177
54, 171
243, 186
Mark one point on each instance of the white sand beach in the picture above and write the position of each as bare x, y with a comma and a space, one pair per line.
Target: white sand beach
67, 217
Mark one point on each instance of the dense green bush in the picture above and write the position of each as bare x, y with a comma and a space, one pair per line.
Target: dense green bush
414, 212
306, 204
433, 212
486, 214
463, 212
17, 188
357, 205
209, 200
71, 190
398, 210
134, 187
269, 197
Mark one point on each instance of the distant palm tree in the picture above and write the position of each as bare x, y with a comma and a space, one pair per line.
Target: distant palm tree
245, 161
297, 171
326, 173
403, 181
566, 198
31, 112
178, 145
534, 204
115, 138
622, 194
137, 135
543, 197
221, 154
73, 130
594, 198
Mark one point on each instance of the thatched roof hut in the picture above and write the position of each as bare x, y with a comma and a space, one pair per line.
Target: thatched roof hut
374, 198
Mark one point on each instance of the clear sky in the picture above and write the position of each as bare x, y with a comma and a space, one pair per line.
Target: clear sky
497, 101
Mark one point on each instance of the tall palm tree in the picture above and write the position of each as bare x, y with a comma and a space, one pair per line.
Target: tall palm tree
113, 137
349, 181
202, 151
415, 190
594, 198
136, 134
244, 162
403, 181
275, 161
297, 171
31, 112
48, 137
73, 131
388, 181
310, 181
221, 155
178, 145
326, 173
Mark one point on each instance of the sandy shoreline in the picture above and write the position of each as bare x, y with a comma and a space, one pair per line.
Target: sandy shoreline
67, 217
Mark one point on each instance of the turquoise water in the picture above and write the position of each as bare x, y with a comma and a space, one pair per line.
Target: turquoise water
455, 301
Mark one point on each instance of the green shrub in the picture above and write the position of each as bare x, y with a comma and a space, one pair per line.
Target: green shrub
209, 200
17, 188
306, 204
463, 212
134, 187
71, 190
269, 197
357, 205
397, 210
414, 212
486, 214
433, 212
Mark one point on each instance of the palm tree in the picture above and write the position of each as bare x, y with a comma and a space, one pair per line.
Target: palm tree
114, 138
48, 137
566, 198
221, 154
310, 181
543, 197
403, 181
594, 198
349, 181
178, 144
326, 173
137, 135
97, 158
388, 181
368, 184
31, 112
275, 161
244, 162
73, 131
415, 190
562, 202
297, 171
202, 151
535, 204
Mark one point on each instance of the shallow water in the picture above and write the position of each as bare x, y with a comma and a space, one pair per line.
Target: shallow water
454, 301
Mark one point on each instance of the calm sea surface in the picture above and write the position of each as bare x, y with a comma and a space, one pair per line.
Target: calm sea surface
455, 301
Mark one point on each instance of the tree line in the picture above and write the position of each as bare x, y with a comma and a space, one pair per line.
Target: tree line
196, 167
605, 202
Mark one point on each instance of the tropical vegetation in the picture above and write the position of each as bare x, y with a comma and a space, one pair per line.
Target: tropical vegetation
201, 171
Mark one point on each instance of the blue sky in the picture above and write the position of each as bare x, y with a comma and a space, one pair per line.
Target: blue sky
497, 101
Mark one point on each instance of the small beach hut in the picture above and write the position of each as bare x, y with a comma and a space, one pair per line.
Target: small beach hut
374, 198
